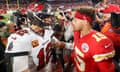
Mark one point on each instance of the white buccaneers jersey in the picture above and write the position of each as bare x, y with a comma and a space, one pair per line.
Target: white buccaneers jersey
19, 42
41, 43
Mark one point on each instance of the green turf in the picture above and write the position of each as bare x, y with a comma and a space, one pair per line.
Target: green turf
7, 17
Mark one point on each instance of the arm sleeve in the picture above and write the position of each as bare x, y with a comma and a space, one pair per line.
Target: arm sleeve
76, 36
9, 43
54, 39
69, 46
106, 66
103, 54
65, 44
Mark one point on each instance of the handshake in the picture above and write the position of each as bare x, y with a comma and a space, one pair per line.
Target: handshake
57, 44
60, 44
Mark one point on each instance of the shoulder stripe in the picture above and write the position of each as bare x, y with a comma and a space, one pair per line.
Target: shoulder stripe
78, 52
105, 56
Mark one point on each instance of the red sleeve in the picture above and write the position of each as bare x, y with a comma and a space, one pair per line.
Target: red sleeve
76, 36
103, 54
103, 47
106, 66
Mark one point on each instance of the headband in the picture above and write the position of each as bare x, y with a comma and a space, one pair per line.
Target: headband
83, 17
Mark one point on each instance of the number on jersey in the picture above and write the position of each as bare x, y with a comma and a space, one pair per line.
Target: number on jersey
44, 55
99, 36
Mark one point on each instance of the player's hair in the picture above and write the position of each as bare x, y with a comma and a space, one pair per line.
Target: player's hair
37, 22
88, 10
102, 0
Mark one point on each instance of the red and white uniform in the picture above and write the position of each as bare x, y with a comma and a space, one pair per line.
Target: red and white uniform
93, 53
19, 42
41, 48
109, 31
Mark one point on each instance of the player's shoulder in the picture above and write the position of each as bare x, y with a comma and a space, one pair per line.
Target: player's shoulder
22, 32
12, 37
102, 40
18, 33
99, 37
104, 48
49, 32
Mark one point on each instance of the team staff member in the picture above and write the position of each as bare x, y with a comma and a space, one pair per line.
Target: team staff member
93, 51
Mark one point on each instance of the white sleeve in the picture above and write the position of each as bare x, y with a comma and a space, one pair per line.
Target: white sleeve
8, 43
69, 46
54, 39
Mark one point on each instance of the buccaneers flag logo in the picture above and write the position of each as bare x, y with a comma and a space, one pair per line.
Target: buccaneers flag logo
35, 43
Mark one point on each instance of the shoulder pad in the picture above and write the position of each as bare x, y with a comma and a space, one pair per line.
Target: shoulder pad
21, 32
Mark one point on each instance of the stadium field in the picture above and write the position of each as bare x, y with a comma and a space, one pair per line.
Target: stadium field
6, 16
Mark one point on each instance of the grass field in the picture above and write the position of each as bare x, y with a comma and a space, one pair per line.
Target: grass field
7, 17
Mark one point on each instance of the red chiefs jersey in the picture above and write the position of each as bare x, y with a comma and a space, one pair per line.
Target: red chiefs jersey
109, 31
93, 52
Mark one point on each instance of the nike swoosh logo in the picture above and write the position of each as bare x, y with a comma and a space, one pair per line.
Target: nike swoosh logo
108, 45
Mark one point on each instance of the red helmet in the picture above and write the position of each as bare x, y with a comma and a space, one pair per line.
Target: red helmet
111, 8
